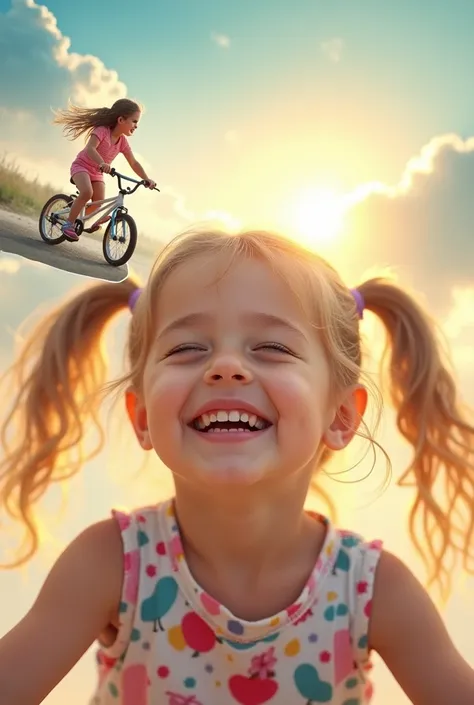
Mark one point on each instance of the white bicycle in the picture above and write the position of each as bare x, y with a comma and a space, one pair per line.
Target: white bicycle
121, 231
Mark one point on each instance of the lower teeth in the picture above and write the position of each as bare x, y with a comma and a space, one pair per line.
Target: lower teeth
229, 430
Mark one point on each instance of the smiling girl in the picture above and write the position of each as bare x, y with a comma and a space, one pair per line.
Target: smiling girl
244, 376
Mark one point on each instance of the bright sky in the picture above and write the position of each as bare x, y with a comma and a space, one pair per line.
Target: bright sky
346, 124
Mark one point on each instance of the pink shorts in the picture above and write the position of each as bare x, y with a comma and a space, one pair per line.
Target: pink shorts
80, 165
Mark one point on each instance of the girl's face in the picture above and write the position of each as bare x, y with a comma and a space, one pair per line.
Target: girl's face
128, 125
236, 388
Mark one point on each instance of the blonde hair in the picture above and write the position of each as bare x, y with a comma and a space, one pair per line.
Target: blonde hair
77, 121
62, 368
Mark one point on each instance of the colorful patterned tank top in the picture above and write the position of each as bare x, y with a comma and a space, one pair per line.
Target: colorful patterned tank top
177, 645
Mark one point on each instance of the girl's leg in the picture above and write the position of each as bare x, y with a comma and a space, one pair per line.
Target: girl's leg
98, 194
83, 182
98, 191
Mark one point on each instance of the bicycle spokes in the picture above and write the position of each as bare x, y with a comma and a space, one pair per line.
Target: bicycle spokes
118, 238
52, 218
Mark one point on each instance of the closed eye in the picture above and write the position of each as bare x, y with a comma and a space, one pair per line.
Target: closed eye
265, 347
185, 348
277, 347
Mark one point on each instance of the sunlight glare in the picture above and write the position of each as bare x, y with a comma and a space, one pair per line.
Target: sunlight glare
318, 215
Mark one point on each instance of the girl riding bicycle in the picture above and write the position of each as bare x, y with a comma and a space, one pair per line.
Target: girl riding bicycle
245, 377
107, 130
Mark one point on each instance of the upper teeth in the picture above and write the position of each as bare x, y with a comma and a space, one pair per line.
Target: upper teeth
205, 420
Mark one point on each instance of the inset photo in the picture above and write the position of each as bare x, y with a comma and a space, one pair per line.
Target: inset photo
102, 250
79, 227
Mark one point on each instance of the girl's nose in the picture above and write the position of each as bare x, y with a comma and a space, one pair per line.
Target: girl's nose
227, 368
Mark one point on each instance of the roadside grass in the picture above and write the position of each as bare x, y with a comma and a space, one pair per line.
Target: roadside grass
18, 193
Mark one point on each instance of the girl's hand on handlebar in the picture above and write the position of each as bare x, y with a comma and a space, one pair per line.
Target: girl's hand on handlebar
149, 183
106, 168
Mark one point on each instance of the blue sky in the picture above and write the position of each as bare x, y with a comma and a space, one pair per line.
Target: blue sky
402, 78
250, 106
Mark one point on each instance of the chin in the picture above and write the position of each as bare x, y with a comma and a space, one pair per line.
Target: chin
233, 475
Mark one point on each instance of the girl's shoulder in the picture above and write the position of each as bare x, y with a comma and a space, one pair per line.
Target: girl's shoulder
352, 540
123, 515
101, 132
140, 527
348, 548
355, 560
124, 144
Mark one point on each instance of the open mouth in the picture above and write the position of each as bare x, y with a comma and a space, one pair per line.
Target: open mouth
229, 422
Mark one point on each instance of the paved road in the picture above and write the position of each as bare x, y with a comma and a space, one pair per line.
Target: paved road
19, 236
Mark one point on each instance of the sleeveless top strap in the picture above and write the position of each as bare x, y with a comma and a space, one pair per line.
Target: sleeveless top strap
130, 531
362, 592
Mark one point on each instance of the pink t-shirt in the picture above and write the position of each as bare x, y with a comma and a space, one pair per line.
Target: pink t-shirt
108, 150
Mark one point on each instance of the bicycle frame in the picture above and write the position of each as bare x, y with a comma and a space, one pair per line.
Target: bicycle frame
107, 206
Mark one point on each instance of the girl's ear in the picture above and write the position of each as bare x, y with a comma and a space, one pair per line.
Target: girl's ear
347, 418
137, 414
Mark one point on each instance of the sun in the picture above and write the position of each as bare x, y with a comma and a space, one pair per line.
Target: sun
317, 215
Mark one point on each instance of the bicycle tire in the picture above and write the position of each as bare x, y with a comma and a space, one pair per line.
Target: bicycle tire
132, 244
60, 238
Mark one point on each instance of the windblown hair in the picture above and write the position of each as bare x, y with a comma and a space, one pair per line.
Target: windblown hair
78, 121
62, 368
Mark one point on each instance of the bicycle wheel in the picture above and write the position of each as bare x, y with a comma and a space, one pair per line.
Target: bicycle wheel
48, 218
125, 237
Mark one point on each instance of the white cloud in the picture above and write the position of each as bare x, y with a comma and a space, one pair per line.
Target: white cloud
222, 40
333, 49
458, 326
36, 56
418, 168
422, 226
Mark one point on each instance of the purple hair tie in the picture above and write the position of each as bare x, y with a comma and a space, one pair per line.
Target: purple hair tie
133, 298
359, 302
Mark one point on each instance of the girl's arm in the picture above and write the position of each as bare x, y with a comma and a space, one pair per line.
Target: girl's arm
91, 149
78, 600
137, 167
408, 633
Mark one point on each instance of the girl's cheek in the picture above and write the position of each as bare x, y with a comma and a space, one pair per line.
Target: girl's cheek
169, 389
291, 389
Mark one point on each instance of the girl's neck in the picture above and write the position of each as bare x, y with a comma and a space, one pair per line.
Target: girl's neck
113, 134
241, 543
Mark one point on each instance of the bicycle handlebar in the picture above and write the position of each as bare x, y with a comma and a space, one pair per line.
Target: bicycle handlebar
129, 190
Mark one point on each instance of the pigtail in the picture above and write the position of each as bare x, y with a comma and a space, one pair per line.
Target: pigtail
436, 425
52, 390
